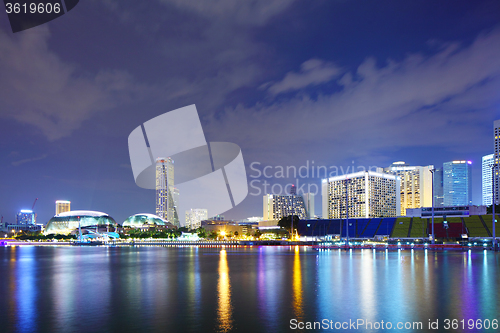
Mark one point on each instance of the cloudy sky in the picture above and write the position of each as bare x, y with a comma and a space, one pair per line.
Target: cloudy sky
293, 83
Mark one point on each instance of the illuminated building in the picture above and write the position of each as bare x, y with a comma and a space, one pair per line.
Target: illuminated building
62, 206
438, 188
194, 218
67, 222
457, 183
487, 179
26, 217
496, 129
369, 194
144, 219
415, 185
166, 194
278, 206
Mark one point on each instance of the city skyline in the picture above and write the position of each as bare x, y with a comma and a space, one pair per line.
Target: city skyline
408, 89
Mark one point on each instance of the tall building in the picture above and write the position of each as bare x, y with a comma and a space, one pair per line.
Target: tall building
194, 218
438, 188
278, 206
369, 194
309, 204
26, 217
166, 194
457, 183
496, 129
487, 179
415, 185
62, 206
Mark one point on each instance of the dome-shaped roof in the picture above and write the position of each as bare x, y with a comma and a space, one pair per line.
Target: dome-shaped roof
67, 222
139, 220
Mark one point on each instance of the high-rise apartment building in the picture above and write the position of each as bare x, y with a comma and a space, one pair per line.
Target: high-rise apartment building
457, 183
309, 204
496, 133
487, 179
415, 185
194, 218
166, 194
62, 206
26, 217
278, 206
438, 188
362, 194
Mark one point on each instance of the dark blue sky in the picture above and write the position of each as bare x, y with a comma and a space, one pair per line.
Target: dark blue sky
291, 82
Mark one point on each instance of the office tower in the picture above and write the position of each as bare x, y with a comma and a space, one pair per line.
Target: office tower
278, 206
293, 190
309, 204
165, 191
26, 216
369, 194
496, 129
487, 179
62, 206
457, 183
438, 188
415, 185
194, 218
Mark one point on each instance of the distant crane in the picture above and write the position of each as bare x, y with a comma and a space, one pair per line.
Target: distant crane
33, 207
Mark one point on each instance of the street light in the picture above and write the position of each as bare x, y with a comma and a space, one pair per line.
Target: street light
432, 172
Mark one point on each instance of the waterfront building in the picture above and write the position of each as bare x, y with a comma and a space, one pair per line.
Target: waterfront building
487, 179
309, 204
496, 140
278, 206
145, 220
26, 217
415, 185
457, 183
166, 194
68, 222
194, 218
62, 206
369, 194
462, 211
438, 188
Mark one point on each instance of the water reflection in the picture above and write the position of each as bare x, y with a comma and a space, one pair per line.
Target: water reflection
297, 286
225, 310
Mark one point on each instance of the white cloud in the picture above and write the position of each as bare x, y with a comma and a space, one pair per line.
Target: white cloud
312, 72
443, 99
28, 160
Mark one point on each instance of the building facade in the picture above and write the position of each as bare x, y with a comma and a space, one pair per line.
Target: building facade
166, 194
415, 185
496, 146
487, 179
309, 204
362, 194
194, 218
26, 217
278, 206
438, 188
63, 206
457, 183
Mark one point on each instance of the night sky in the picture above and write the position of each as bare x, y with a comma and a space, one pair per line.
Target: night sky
341, 83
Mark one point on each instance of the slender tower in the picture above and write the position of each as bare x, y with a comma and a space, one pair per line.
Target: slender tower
165, 192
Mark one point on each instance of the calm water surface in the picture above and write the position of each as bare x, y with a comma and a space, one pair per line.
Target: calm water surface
257, 289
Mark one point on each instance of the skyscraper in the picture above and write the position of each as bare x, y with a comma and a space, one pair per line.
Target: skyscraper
457, 183
438, 188
487, 179
415, 185
62, 206
369, 194
166, 194
26, 217
194, 218
496, 129
309, 204
278, 206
